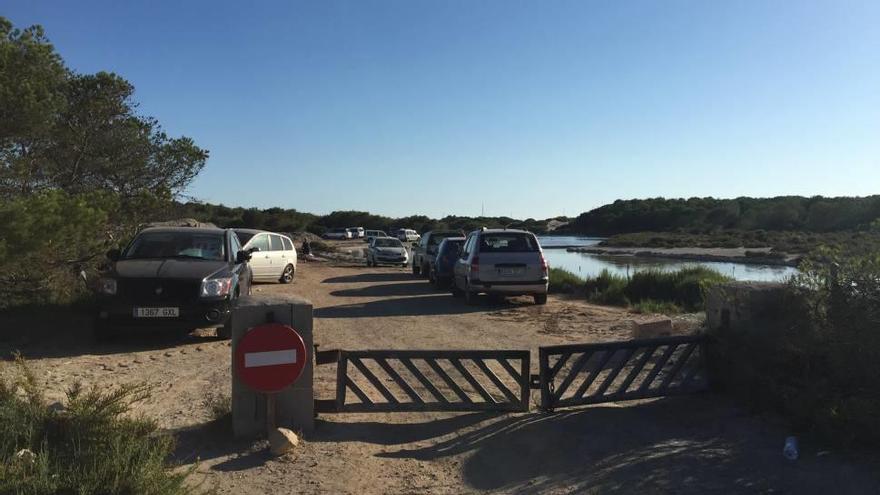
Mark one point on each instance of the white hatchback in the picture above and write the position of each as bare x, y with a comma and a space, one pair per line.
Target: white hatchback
273, 258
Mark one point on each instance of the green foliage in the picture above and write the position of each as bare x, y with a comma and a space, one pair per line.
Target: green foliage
649, 306
682, 289
79, 169
707, 215
563, 281
91, 446
817, 358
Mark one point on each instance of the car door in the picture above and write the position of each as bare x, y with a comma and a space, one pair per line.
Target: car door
276, 251
261, 261
289, 253
460, 267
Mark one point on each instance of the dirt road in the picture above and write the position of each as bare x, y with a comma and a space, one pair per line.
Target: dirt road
695, 444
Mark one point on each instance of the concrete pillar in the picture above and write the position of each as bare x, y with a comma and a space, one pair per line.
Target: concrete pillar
295, 406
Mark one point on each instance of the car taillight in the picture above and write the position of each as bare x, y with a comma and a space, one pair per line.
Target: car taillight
545, 268
475, 265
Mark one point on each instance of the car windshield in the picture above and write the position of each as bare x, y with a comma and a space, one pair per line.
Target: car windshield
452, 246
189, 245
508, 243
387, 243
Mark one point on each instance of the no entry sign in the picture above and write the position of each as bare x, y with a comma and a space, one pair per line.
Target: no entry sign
270, 357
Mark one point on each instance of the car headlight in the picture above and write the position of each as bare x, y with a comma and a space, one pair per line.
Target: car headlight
107, 286
216, 287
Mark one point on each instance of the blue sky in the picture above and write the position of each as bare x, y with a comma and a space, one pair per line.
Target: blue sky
534, 109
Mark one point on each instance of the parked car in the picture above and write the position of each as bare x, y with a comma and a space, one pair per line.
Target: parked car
407, 235
386, 251
173, 277
443, 264
338, 234
423, 254
274, 257
501, 262
370, 234
355, 232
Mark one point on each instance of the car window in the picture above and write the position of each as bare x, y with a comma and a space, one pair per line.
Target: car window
387, 242
236, 244
194, 245
261, 241
244, 237
288, 246
437, 238
508, 243
277, 245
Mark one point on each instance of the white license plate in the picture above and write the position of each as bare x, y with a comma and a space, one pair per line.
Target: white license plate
511, 272
156, 312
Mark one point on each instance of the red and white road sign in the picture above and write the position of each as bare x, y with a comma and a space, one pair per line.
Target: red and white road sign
270, 357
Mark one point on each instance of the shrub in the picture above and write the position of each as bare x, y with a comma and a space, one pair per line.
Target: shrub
91, 446
564, 281
817, 359
683, 289
649, 306
607, 288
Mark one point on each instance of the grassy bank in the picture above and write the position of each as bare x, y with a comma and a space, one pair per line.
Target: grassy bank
90, 445
649, 291
849, 242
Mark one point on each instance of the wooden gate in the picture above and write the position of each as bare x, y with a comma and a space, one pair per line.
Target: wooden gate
636, 369
427, 380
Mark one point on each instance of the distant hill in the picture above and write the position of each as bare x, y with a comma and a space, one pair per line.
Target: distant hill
700, 215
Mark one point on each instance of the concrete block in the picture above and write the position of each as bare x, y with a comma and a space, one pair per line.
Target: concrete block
294, 406
651, 329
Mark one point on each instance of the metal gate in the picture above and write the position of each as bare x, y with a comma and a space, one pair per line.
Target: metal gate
427, 380
637, 369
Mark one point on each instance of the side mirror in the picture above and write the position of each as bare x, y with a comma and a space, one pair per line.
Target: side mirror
113, 254
251, 250
242, 257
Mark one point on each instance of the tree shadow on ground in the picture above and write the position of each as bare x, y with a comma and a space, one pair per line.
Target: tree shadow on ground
438, 304
370, 277
680, 445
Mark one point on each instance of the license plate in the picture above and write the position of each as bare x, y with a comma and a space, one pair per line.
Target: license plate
510, 272
156, 312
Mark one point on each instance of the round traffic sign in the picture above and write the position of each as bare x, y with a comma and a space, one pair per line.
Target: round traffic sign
270, 357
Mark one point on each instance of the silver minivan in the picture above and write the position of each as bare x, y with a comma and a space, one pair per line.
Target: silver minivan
501, 262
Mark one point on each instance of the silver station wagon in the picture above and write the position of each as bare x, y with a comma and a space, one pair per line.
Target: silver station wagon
501, 262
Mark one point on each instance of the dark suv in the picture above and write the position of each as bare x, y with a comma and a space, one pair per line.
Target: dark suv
180, 278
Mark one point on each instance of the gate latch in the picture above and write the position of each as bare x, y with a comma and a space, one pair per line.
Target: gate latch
535, 381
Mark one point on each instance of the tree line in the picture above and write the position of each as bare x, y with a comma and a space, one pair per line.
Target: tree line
706, 215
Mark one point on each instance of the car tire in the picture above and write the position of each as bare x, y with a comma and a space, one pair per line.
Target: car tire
431, 276
425, 270
417, 270
225, 332
103, 332
287, 275
470, 297
540, 298
456, 292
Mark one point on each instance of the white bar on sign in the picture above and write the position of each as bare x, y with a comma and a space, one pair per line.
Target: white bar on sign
269, 358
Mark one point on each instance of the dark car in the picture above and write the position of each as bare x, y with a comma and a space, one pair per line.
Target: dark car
177, 278
442, 266
424, 252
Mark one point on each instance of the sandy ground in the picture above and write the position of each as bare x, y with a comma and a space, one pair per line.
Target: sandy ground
696, 444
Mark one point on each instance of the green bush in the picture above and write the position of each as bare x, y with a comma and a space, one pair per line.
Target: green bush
607, 288
90, 446
816, 359
650, 306
564, 282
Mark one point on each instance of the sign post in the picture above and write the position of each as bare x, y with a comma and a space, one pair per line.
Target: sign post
269, 358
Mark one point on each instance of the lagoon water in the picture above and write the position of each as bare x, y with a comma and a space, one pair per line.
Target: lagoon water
590, 265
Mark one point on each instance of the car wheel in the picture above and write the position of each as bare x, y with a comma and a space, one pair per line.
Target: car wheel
426, 271
417, 270
470, 297
540, 298
456, 292
431, 276
102, 332
225, 332
287, 275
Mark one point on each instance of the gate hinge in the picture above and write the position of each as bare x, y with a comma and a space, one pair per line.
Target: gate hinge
535, 381
327, 357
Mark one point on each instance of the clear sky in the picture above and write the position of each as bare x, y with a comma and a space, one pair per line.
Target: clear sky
534, 108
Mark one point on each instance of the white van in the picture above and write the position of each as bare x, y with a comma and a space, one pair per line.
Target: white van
355, 232
274, 257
